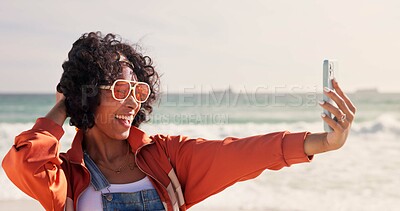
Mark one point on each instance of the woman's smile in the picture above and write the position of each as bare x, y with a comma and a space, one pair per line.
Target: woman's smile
124, 119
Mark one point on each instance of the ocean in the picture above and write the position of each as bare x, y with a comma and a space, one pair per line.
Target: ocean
363, 175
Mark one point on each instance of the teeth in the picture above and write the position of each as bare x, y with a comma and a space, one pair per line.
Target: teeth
130, 117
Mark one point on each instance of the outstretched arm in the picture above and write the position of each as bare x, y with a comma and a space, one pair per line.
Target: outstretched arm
322, 142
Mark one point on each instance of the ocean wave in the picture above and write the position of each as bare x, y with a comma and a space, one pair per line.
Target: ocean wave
383, 124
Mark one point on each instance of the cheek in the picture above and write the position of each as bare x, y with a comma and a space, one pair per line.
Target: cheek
105, 112
138, 108
110, 105
102, 116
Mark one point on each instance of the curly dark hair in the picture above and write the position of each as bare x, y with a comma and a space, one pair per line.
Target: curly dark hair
94, 61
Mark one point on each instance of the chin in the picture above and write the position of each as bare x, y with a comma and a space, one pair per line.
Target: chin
123, 135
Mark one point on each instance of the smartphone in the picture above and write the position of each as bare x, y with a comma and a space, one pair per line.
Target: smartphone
330, 69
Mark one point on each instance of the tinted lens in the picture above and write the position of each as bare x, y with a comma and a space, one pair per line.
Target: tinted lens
142, 92
122, 89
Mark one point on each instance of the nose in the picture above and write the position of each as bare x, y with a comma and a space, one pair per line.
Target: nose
131, 102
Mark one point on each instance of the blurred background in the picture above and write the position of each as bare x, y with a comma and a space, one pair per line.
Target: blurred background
230, 68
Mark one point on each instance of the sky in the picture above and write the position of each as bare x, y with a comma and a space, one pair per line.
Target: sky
211, 45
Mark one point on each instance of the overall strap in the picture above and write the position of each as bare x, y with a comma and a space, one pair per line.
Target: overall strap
98, 180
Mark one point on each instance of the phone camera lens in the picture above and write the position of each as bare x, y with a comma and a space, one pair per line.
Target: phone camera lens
330, 66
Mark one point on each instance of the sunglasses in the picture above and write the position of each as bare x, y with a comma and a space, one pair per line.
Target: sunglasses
122, 89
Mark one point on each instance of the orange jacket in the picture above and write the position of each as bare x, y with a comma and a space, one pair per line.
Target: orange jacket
184, 171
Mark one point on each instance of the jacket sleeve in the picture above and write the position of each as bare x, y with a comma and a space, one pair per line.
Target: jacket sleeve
34, 166
207, 167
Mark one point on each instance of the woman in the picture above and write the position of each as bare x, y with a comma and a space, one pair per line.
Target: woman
107, 89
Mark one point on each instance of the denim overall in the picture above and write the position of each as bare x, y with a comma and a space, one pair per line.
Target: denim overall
144, 200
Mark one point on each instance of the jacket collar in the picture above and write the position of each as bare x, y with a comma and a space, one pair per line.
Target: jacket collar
136, 139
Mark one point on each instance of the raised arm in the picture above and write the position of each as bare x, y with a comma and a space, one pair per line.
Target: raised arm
58, 113
33, 162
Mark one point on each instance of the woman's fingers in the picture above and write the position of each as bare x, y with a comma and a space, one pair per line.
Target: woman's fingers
340, 102
350, 105
334, 125
329, 107
340, 117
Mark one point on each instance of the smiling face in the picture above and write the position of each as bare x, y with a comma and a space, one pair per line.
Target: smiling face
113, 118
